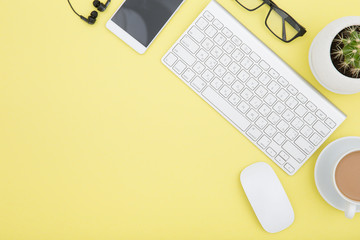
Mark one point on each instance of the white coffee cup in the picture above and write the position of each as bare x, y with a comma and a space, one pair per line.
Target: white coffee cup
350, 205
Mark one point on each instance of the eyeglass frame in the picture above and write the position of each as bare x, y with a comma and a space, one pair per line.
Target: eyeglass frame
285, 17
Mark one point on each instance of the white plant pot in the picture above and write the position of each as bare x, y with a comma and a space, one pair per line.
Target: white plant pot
320, 59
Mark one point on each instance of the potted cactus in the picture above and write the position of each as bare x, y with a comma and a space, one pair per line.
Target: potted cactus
334, 56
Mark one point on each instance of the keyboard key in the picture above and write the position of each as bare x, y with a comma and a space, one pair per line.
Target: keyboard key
300, 110
216, 83
255, 57
246, 63
273, 87
261, 122
289, 168
294, 151
208, 15
284, 155
219, 39
270, 99
246, 94
311, 106
207, 44
310, 118
229, 47
227, 32
243, 107
264, 79
279, 107
188, 75
216, 100
196, 34
211, 62
179, 67
264, 110
228, 78
254, 133
238, 86
184, 55
207, 75
198, 84
252, 83
234, 99
218, 24
306, 131
301, 98
252, 115
274, 118
245, 48
225, 60
321, 128
234, 68
282, 95
291, 102
283, 82
288, 115
291, 134
190, 44
255, 102
199, 67
243, 75
315, 139
264, 141
280, 160
282, 126
292, 89
279, 139
201, 23
225, 91
271, 152
216, 52
270, 131
261, 91
297, 123
264, 65
202, 55
320, 114
255, 71
210, 31
170, 59
304, 145
274, 74
237, 55
236, 40
330, 123
220, 71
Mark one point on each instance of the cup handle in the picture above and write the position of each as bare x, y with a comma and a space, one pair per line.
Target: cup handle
350, 210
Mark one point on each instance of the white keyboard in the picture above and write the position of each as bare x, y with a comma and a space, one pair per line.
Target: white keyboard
252, 88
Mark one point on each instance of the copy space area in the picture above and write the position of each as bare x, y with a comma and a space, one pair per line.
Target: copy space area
99, 142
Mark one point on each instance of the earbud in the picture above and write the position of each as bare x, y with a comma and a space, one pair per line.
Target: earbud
91, 19
100, 6
93, 15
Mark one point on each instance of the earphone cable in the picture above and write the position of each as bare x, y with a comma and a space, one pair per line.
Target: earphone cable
73, 8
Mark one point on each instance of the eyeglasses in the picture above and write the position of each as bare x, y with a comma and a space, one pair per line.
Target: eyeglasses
280, 23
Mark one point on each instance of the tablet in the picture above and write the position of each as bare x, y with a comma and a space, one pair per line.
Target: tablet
138, 22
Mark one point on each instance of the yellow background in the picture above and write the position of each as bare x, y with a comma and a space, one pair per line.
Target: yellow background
98, 142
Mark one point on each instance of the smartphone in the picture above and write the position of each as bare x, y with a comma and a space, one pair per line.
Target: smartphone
138, 22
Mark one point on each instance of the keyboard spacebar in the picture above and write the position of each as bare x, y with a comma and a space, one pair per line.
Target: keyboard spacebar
225, 108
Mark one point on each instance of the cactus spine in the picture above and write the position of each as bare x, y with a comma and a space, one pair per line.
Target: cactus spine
348, 50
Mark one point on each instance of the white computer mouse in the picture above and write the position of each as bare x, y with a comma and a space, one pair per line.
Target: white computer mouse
267, 197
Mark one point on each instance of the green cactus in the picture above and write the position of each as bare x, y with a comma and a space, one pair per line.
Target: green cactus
348, 50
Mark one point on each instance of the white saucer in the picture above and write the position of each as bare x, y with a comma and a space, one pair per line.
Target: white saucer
323, 169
